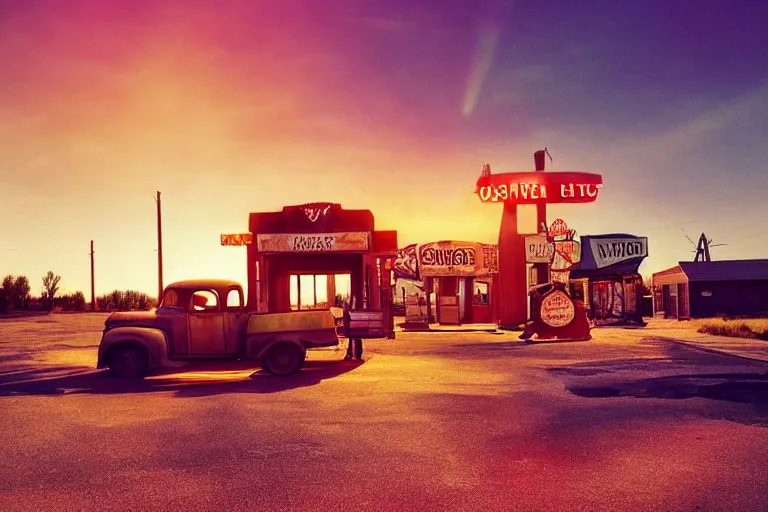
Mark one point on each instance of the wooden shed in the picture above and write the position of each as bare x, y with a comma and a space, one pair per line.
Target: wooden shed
712, 288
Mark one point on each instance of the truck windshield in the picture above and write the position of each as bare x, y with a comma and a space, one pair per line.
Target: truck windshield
170, 299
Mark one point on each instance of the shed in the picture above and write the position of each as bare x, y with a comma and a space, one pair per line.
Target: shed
712, 288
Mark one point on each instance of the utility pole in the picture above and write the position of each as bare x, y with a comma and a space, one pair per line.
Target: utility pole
93, 294
159, 248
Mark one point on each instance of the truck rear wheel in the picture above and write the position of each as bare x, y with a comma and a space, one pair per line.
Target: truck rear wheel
128, 360
283, 359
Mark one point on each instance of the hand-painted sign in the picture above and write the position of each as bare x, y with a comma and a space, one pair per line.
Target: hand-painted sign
490, 259
236, 239
609, 251
539, 187
446, 258
356, 241
406, 263
557, 309
538, 249
449, 258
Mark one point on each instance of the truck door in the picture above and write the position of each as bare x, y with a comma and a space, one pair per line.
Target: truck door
206, 324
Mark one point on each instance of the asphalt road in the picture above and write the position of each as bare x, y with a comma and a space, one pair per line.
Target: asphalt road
448, 421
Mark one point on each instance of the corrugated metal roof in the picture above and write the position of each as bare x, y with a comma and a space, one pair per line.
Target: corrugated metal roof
669, 271
672, 275
726, 270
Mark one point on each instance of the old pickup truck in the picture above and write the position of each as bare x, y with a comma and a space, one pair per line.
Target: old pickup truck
207, 320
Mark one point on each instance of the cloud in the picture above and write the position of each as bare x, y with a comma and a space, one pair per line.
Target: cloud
486, 48
713, 122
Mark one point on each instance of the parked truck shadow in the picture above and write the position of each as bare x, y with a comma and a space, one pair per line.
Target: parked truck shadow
190, 383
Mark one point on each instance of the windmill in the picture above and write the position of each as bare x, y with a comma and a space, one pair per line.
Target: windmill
702, 248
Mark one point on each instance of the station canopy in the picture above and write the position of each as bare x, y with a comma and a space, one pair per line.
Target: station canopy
606, 256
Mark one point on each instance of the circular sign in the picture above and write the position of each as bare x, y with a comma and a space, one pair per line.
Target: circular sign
557, 309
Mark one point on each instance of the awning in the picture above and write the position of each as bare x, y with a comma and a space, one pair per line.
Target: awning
608, 256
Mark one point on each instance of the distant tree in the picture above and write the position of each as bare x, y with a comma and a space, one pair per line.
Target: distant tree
4, 299
78, 301
21, 290
145, 302
72, 302
128, 300
50, 287
117, 300
647, 285
7, 293
14, 292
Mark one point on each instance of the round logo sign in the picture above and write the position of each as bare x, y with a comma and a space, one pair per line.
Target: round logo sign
557, 309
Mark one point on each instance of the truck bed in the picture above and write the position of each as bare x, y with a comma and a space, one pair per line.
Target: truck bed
292, 321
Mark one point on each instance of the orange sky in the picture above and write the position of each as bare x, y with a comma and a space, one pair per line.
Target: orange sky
226, 114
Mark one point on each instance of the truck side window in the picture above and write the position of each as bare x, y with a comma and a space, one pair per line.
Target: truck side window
204, 301
234, 300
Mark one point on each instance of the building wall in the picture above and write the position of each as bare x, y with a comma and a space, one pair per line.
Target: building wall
670, 293
728, 298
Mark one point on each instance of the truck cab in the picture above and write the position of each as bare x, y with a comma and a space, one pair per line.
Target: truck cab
206, 319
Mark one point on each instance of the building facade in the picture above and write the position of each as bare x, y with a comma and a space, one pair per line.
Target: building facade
298, 254
712, 288
607, 278
455, 278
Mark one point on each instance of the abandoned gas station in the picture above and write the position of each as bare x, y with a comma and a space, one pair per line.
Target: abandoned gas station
451, 282
299, 256
319, 255
607, 278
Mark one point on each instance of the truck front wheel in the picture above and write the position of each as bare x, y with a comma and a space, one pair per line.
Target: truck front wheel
283, 359
128, 360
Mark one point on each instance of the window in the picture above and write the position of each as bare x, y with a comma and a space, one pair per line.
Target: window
480, 295
234, 299
577, 290
204, 301
170, 299
309, 291
533, 276
342, 288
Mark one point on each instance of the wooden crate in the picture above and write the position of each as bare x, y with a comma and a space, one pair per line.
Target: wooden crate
365, 324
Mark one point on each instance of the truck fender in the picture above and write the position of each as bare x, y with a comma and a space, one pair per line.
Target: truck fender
259, 345
153, 340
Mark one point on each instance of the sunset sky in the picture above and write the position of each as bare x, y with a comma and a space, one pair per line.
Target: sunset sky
228, 107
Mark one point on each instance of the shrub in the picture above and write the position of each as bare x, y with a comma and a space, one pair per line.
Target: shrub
72, 302
741, 328
128, 300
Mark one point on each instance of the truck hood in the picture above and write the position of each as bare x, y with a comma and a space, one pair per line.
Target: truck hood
148, 318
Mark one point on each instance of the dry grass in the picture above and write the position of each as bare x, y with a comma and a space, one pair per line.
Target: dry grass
739, 328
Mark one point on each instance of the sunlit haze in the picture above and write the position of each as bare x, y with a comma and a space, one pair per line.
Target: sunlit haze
232, 107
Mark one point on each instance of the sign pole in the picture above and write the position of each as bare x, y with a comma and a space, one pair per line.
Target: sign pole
542, 269
527, 187
513, 309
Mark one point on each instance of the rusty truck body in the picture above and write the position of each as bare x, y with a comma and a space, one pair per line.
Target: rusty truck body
207, 320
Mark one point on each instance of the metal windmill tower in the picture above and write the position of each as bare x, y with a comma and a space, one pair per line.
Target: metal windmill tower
702, 248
